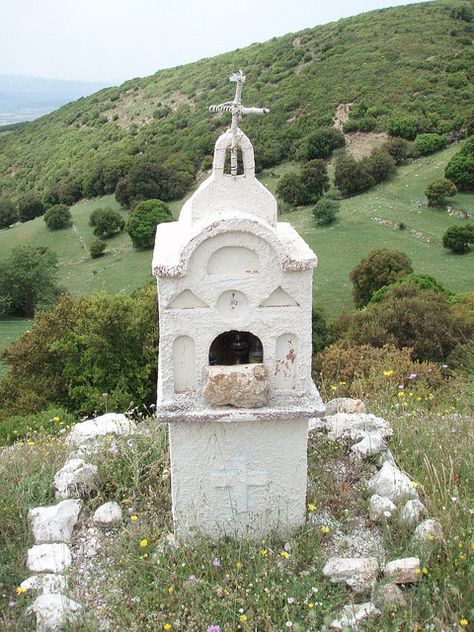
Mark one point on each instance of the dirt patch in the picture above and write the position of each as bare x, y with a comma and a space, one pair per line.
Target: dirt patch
342, 115
360, 144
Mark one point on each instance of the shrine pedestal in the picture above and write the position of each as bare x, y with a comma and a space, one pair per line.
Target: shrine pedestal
239, 479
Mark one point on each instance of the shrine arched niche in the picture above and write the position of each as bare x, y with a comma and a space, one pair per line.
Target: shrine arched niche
233, 260
236, 347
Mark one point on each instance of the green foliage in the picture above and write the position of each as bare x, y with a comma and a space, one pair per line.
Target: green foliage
460, 168
29, 207
143, 220
291, 190
404, 126
380, 165
379, 268
81, 349
421, 281
326, 211
20, 427
314, 176
28, 280
352, 176
459, 238
320, 331
462, 11
97, 248
65, 192
106, 222
8, 213
438, 190
399, 148
57, 217
322, 142
429, 143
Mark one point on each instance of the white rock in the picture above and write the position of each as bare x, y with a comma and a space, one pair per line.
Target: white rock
392, 483
47, 583
356, 426
388, 595
411, 513
344, 405
370, 445
76, 478
384, 457
111, 423
381, 508
108, 515
54, 611
360, 573
351, 616
403, 571
48, 558
428, 531
55, 523
316, 424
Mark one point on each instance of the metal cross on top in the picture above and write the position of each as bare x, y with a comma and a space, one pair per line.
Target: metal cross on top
237, 110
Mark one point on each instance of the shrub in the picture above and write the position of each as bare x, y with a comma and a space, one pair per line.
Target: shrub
28, 280
29, 207
460, 168
82, 348
326, 211
291, 190
57, 217
66, 192
106, 222
8, 213
320, 336
351, 176
459, 238
380, 165
314, 176
143, 220
322, 143
20, 427
404, 126
379, 268
429, 143
421, 281
97, 248
462, 12
438, 190
399, 148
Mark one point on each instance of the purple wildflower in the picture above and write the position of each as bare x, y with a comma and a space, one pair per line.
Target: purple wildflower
445, 366
412, 376
214, 628
192, 579
216, 562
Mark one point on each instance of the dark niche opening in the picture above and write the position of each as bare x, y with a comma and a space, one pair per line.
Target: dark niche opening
240, 162
236, 347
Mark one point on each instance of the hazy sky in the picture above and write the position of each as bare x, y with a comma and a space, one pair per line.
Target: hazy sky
114, 40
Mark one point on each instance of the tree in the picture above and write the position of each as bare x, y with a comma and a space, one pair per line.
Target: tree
66, 192
57, 217
143, 220
28, 279
429, 143
325, 212
97, 248
351, 176
404, 126
459, 238
291, 190
322, 142
380, 165
29, 207
106, 222
438, 190
379, 268
8, 213
421, 281
460, 168
399, 148
320, 333
314, 176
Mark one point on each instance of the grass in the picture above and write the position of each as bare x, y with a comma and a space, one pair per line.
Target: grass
11, 328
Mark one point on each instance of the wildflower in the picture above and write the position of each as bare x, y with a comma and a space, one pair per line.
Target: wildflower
243, 618
289, 624
463, 622
291, 600
311, 507
143, 543
325, 529
55, 418
444, 366
342, 383
333, 388
167, 626
431, 538
133, 517
401, 394
310, 605
144, 556
424, 570
238, 565
284, 554
20, 590
417, 571
11, 603
263, 552
472, 546
413, 484
214, 628
192, 579
216, 562
412, 376
388, 373
171, 590
30, 443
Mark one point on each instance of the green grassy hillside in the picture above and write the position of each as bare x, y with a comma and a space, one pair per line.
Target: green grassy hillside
411, 61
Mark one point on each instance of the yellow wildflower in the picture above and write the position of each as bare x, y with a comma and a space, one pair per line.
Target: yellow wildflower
143, 543
413, 484
333, 388
342, 383
388, 373
472, 546
167, 626
424, 570
311, 507
417, 571
263, 552
311, 605
171, 590
401, 393
133, 517
243, 618
55, 418
431, 538
463, 622
238, 565
284, 554
325, 529
30, 443
20, 590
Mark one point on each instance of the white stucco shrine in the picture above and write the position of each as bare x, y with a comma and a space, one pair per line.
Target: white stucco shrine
234, 368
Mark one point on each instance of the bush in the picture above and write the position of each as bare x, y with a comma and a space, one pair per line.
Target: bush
143, 220
438, 190
404, 126
97, 248
314, 176
29, 207
326, 211
291, 190
351, 176
399, 148
66, 192
20, 427
320, 336
8, 213
429, 143
28, 280
421, 281
379, 268
57, 217
459, 238
462, 12
106, 222
460, 168
82, 348
322, 143
380, 165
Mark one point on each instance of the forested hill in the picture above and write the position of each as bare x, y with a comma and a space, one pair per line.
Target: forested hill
405, 69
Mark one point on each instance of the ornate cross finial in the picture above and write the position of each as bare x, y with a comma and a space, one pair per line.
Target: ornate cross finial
237, 110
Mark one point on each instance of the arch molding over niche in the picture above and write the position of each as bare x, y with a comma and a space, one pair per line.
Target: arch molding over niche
233, 261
